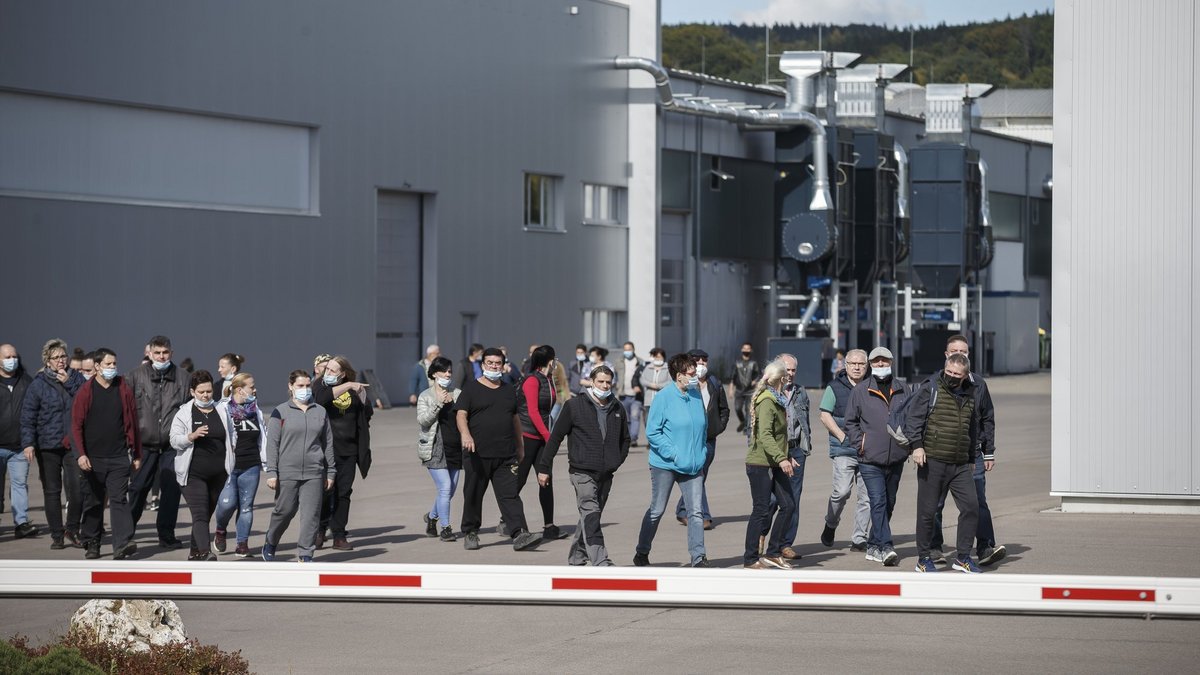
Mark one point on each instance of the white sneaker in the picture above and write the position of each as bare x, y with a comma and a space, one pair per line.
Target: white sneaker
874, 554
994, 555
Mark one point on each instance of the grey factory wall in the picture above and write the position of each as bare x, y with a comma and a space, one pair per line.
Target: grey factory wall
450, 99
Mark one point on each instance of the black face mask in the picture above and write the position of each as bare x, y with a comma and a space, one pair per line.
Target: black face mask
952, 382
746, 354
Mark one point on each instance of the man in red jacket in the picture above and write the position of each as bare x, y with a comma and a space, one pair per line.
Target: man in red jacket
104, 433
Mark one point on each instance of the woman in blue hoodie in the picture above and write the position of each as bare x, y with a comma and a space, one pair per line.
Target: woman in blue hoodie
676, 431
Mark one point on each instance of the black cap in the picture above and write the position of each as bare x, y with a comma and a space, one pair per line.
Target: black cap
698, 354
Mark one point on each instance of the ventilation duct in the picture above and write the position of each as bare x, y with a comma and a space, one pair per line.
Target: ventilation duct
951, 109
860, 91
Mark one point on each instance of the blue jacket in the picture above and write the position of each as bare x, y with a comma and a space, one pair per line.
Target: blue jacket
677, 430
46, 411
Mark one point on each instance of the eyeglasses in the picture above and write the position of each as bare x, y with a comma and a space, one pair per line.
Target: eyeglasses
862, 364
56, 357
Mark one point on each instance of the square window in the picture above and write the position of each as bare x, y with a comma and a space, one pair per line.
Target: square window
541, 202
603, 204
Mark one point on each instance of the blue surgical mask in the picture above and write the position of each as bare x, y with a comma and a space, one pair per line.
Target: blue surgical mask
602, 395
302, 394
109, 374
10, 364
628, 354
694, 382
229, 378
882, 373
205, 404
492, 375
251, 398
444, 383
161, 365
330, 380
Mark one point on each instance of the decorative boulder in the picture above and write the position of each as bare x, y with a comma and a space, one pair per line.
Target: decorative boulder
133, 624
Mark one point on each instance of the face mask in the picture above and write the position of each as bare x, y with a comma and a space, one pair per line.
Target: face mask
329, 380
251, 398
492, 375
205, 404
228, 378
163, 365
580, 357
658, 363
882, 373
952, 382
596, 360
109, 374
10, 364
444, 383
302, 394
694, 382
627, 354
746, 355
701, 371
601, 395
88, 376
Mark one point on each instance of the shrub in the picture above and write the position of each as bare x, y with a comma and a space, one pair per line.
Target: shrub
83, 649
12, 658
60, 661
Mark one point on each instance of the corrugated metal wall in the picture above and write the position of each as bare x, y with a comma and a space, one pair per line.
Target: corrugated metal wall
1125, 248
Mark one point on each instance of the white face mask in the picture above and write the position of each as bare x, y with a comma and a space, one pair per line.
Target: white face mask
601, 395
444, 383
658, 363
882, 373
701, 371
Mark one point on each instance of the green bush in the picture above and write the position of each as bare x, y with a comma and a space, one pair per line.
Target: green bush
80, 653
12, 658
60, 661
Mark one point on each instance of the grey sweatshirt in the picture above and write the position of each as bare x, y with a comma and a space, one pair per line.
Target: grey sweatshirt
299, 443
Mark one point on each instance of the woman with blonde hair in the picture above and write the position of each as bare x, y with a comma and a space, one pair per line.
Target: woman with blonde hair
769, 470
247, 434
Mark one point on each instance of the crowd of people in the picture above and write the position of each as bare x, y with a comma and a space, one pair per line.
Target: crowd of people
160, 433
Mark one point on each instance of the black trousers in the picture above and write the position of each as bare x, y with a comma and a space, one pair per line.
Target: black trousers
501, 473
58, 469
934, 480
335, 507
109, 478
202, 495
764, 482
533, 446
160, 462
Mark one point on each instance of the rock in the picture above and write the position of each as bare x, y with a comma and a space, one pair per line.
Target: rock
134, 624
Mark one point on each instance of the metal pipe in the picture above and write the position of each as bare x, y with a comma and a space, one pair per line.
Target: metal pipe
813, 303
902, 180
822, 199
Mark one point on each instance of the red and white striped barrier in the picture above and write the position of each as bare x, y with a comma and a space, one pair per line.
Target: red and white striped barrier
817, 589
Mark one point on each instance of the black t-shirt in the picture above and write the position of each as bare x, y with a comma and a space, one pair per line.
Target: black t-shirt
344, 424
103, 430
490, 418
208, 452
451, 439
245, 453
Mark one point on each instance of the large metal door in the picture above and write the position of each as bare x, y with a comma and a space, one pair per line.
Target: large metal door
398, 291
672, 250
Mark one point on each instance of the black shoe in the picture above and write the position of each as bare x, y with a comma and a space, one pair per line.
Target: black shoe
641, 559
525, 540
72, 539
741, 427
431, 528
170, 544
128, 550
827, 536
502, 529
26, 529
93, 551
471, 541
57, 544
448, 534
703, 562
552, 532
197, 556
860, 546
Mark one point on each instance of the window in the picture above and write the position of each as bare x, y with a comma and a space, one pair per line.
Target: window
603, 204
605, 327
1006, 212
541, 203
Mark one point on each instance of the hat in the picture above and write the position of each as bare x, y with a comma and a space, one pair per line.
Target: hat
880, 352
698, 354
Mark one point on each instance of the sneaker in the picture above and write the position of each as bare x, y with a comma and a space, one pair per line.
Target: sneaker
502, 529
827, 536
268, 552
703, 562
72, 539
320, 541
152, 505
858, 546
57, 544
242, 550
525, 540
471, 541
343, 544
218, 544
26, 529
789, 553
606, 563
93, 551
992, 555
448, 534
874, 554
777, 562
431, 528
890, 558
641, 559
552, 532
926, 565
170, 544
965, 565
125, 551
756, 565
197, 555
937, 556
304, 559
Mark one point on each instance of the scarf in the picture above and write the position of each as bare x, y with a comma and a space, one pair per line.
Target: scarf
242, 411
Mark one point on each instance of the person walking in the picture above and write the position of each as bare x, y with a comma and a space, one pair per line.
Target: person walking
599, 445
160, 387
534, 403
628, 388
575, 370
349, 414
300, 466
418, 380
14, 457
716, 406
769, 469
746, 373
799, 446
201, 437
676, 431
655, 376
228, 366
247, 435
846, 473
45, 424
439, 445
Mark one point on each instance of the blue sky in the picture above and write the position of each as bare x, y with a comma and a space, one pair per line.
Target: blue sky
891, 12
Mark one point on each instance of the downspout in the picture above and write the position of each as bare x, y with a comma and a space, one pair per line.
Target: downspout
822, 199
985, 219
902, 181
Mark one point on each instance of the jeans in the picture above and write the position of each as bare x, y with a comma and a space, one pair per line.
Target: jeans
238, 496
710, 450
633, 412
692, 489
591, 494
446, 482
934, 480
201, 495
845, 475
161, 464
796, 484
767, 483
58, 469
882, 482
14, 462
985, 533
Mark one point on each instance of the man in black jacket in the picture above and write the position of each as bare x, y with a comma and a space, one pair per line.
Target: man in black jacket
716, 404
599, 445
14, 461
746, 373
159, 387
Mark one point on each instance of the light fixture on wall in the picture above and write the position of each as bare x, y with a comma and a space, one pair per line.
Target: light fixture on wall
721, 174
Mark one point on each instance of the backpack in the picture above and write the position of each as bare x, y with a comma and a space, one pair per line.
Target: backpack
898, 416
